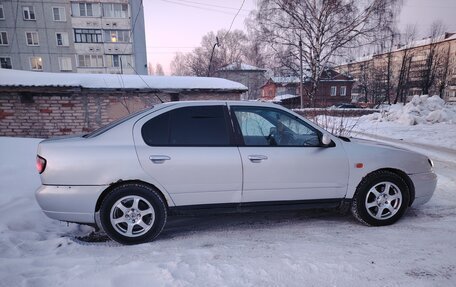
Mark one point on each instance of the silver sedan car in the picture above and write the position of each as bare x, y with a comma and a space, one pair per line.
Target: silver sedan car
127, 177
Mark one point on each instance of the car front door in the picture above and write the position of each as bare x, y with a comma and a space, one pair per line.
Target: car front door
283, 159
189, 152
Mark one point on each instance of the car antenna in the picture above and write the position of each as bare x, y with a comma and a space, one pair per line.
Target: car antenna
145, 82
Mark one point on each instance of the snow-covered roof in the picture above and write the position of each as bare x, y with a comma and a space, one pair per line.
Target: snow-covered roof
429, 40
279, 98
240, 67
359, 60
18, 78
285, 80
414, 44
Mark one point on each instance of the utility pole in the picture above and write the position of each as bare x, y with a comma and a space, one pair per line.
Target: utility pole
120, 62
301, 94
212, 55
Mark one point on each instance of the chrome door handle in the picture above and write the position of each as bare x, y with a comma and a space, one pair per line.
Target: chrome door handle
256, 158
159, 158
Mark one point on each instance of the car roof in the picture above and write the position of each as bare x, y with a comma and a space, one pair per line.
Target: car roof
212, 102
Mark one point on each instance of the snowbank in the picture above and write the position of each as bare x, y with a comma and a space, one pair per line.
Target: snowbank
420, 110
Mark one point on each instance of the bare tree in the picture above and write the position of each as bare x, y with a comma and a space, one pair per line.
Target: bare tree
364, 80
159, 70
325, 27
443, 71
403, 78
433, 58
231, 49
179, 65
255, 51
150, 69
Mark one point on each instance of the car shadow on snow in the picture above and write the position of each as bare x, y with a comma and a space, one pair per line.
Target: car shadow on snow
182, 226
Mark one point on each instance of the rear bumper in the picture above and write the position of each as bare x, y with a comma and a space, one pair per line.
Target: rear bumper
69, 203
425, 184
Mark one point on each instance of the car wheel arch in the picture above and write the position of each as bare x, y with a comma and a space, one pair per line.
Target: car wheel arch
125, 182
379, 191
402, 174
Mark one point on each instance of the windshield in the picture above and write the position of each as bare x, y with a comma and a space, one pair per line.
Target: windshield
109, 126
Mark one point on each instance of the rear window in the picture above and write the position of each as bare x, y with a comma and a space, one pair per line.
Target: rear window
188, 126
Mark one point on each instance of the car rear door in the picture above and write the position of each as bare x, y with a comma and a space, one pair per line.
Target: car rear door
188, 150
283, 160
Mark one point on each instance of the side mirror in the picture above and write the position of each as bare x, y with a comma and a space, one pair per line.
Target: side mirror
325, 140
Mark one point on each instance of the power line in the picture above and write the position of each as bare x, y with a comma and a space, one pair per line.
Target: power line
141, 7
217, 43
213, 5
145, 82
172, 47
235, 16
197, 7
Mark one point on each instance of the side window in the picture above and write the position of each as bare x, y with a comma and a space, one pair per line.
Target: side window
188, 126
255, 129
156, 130
273, 127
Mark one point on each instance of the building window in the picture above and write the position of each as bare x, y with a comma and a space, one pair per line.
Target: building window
87, 36
83, 9
343, 90
90, 61
333, 91
115, 10
65, 64
59, 13
116, 61
2, 15
36, 63
117, 36
3, 38
32, 38
5, 63
62, 39
29, 13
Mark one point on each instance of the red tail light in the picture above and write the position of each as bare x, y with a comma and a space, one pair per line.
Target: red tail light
40, 164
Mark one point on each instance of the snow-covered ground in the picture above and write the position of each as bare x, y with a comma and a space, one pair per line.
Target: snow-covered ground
307, 248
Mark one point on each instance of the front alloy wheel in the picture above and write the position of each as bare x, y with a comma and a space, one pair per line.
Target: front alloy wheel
383, 200
380, 199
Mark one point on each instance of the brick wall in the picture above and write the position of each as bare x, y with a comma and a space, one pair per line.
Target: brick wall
44, 114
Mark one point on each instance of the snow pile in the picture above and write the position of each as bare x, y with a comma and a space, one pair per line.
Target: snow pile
420, 110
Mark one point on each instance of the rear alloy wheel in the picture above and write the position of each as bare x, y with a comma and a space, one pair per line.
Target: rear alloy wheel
380, 199
132, 214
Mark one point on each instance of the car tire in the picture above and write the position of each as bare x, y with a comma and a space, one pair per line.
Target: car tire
133, 213
380, 199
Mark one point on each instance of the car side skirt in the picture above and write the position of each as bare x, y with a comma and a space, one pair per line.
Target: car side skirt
256, 206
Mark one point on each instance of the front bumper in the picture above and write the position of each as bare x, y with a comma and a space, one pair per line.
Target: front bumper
69, 203
424, 184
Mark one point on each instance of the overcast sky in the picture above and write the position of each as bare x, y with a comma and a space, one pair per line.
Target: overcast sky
178, 25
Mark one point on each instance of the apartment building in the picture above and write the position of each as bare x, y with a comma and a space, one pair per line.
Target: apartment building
410, 71
73, 36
